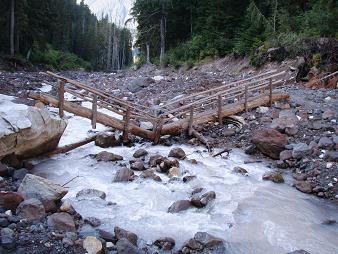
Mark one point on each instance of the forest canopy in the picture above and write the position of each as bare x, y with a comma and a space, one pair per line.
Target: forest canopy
198, 29
62, 34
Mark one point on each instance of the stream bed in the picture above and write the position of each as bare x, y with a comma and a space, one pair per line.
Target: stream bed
251, 215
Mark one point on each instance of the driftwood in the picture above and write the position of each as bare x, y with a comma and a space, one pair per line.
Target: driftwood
68, 148
201, 138
226, 150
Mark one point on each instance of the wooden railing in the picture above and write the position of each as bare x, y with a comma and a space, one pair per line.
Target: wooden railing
188, 108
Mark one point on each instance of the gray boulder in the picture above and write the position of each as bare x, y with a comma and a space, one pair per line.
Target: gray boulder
137, 84
180, 205
61, 221
123, 175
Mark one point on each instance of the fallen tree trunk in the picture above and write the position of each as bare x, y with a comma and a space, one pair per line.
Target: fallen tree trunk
68, 148
87, 113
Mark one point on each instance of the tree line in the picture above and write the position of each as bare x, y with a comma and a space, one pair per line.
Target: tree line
174, 31
63, 34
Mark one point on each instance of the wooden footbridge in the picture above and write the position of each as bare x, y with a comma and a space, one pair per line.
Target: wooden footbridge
173, 118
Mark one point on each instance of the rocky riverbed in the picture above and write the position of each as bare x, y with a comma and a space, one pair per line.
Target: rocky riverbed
293, 143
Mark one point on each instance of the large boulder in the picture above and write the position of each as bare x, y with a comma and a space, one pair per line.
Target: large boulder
38, 187
137, 84
270, 142
29, 132
180, 205
31, 209
177, 153
61, 221
10, 200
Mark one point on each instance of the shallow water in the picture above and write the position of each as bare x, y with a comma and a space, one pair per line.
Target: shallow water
252, 215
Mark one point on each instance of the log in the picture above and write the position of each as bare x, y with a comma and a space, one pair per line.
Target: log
94, 109
87, 113
126, 120
61, 91
226, 150
201, 138
68, 148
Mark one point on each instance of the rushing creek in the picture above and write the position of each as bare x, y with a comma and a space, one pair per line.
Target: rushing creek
251, 215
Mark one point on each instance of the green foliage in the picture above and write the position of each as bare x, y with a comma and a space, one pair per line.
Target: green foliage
58, 59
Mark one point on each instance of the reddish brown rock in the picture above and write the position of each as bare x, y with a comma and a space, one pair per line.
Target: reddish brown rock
10, 200
270, 142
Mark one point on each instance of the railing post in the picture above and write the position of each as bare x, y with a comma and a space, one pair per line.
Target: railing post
220, 102
246, 99
61, 85
270, 94
94, 111
158, 130
191, 120
126, 119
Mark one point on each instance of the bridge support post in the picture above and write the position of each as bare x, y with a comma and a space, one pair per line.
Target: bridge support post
270, 92
220, 117
94, 109
126, 120
191, 121
61, 93
246, 99
157, 131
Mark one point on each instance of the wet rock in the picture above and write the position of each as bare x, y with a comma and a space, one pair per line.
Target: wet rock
20, 174
240, 170
177, 153
188, 178
92, 221
107, 236
329, 222
250, 150
10, 200
41, 188
276, 177
61, 221
31, 209
207, 240
270, 142
165, 243
202, 201
331, 156
168, 164
174, 172
191, 244
92, 245
106, 156
150, 174
123, 246
196, 190
140, 153
156, 160
300, 150
67, 207
90, 193
304, 186
123, 175
138, 166
122, 233
178, 206
7, 239
325, 143
105, 140
298, 252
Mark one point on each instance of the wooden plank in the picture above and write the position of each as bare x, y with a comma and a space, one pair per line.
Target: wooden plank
94, 111
61, 92
246, 99
126, 120
191, 120
220, 103
270, 93
221, 87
